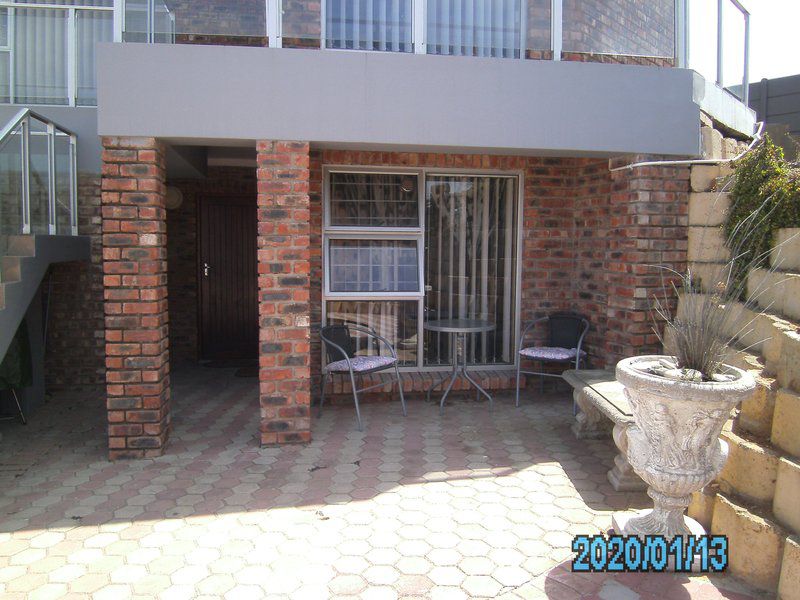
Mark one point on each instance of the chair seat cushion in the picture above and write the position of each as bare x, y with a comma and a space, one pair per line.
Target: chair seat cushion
550, 353
362, 363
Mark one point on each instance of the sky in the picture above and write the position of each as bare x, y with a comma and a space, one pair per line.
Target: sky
774, 39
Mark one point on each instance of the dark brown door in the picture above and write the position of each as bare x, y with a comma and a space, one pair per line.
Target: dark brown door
228, 277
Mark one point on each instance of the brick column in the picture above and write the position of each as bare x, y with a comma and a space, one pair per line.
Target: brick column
135, 297
284, 258
649, 209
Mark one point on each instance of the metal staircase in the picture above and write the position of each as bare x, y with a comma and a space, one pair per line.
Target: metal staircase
38, 212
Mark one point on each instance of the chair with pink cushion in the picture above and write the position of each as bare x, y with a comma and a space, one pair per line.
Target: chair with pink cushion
565, 332
342, 360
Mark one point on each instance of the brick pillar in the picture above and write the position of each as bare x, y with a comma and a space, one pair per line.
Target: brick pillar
135, 297
649, 209
284, 265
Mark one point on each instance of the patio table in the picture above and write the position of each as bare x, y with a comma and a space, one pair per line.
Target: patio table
459, 329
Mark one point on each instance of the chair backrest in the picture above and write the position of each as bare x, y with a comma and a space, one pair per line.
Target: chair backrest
339, 335
565, 329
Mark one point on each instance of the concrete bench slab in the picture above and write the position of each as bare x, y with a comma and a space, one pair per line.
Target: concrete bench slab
603, 409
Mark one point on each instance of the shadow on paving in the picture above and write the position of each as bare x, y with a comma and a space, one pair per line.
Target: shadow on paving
54, 472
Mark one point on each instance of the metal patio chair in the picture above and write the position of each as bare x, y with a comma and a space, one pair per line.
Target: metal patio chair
565, 334
342, 359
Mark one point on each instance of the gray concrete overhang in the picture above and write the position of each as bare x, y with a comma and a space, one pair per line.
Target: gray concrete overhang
219, 95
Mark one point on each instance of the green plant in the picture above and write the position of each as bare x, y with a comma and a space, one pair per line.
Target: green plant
765, 196
763, 180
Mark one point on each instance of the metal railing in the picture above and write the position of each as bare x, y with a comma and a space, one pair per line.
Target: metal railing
38, 177
545, 29
47, 52
721, 16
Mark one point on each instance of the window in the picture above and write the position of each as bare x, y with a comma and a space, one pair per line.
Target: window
474, 27
401, 247
374, 265
369, 25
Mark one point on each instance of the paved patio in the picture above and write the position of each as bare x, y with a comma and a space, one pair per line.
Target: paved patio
471, 504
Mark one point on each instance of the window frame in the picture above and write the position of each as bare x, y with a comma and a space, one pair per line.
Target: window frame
393, 233
419, 25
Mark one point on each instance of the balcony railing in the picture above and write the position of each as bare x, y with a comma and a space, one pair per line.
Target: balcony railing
38, 183
717, 45
47, 48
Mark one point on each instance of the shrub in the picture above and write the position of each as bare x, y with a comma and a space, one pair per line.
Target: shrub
764, 182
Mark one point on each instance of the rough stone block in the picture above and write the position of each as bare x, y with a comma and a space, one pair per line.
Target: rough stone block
787, 492
787, 364
704, 177
785, 254
775, 291
708, 209
707, 244
755, 544
750, 470
730, 148
711, 142
757, 411
786, 422
789, 586
701, 508
707, 275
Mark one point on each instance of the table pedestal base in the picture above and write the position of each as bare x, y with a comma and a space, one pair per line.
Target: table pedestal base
459, 358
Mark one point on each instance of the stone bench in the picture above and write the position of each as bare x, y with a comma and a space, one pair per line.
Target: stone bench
602, 410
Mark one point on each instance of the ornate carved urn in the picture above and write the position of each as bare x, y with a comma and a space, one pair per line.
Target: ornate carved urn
674, 443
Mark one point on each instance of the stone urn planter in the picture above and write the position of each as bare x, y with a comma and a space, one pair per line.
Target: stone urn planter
674, 443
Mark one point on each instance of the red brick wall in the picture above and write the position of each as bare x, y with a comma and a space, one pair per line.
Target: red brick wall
629, 27
648, 226
591, 223
572, 236
75, 357
284, 291
135, 282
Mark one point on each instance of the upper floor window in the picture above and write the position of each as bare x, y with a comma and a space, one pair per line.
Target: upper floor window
474, 27
369, 25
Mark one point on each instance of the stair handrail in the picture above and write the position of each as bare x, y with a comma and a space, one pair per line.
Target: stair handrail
20, 124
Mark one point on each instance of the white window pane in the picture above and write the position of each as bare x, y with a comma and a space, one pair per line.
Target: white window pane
474, 27
396, 320
40, 57
373, 200
92, 27
373, 266
369, 25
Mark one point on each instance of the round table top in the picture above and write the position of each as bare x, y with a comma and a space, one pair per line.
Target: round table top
459, 325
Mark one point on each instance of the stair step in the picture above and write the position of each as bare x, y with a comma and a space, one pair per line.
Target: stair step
751, 469
776, 339
21, 245
776, 291
10, 269
755, 541
785, 253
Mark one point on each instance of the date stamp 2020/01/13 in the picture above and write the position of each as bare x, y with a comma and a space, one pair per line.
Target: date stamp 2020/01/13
654, 553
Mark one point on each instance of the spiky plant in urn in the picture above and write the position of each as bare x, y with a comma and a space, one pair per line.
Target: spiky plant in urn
681, 401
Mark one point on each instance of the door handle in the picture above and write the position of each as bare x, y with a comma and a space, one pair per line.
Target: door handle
206, 269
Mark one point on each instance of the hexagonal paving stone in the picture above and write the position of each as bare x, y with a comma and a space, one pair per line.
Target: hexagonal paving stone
446, 575
381, 575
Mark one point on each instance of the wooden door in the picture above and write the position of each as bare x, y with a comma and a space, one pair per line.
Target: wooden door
228, 276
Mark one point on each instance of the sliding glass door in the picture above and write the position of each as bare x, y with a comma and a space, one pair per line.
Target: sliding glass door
470, 262
403, 248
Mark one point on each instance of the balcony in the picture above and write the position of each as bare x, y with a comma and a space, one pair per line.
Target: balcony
47, 47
